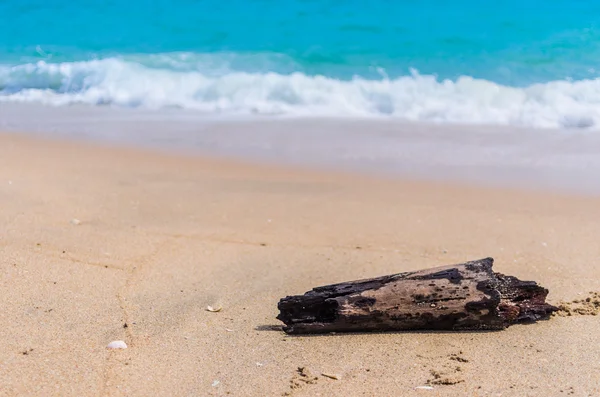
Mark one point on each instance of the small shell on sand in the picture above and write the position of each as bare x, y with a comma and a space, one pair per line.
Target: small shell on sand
75, 221
214, 309
424, 387
117, 344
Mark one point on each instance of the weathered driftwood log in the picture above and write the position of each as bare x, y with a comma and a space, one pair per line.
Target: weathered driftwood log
467, 296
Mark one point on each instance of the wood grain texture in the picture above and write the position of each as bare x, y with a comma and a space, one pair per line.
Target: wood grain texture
466, 296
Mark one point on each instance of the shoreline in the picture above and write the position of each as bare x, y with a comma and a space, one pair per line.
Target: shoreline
507, 157
325, 172
98, 237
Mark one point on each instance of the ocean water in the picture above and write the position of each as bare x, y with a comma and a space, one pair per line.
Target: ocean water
526, 63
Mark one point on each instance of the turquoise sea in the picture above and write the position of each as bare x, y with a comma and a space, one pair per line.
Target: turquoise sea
527, 62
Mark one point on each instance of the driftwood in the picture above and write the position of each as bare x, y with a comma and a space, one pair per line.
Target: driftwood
467, 296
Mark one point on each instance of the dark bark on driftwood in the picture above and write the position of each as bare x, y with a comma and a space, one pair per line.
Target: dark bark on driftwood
467, 296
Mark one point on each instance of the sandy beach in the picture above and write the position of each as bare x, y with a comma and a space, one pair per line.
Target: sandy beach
99, 243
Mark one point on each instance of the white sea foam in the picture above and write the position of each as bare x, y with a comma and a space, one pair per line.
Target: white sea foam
562, 104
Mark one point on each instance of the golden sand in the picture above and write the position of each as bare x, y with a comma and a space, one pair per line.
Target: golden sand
99, 244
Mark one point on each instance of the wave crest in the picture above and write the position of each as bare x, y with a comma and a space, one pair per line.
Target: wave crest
415, 97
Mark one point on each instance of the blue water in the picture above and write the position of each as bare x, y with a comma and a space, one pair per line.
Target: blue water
527, 62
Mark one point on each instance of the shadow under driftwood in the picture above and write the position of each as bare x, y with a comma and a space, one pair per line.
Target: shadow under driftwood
463, 297
280, 328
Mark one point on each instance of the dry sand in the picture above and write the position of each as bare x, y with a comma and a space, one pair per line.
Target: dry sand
161, 236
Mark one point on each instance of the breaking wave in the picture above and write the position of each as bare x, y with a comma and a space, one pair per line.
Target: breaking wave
415, 97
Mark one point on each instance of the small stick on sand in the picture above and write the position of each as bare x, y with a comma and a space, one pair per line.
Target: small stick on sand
467, 296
